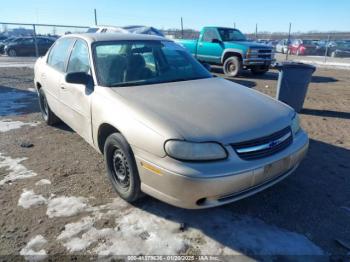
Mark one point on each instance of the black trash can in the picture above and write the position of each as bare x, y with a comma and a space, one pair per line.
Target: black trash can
293, 81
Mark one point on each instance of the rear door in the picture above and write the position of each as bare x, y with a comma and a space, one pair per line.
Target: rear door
207, 51
26, 47
53, 73
75, 98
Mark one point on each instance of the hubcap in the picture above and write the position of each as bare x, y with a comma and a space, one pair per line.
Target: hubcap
231, 67
121, 168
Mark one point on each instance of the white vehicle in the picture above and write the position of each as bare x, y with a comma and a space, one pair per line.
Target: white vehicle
282, 46
107, 29
133, 29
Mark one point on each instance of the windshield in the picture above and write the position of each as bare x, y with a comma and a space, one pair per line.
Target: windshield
309, 42
128, 63
229, 34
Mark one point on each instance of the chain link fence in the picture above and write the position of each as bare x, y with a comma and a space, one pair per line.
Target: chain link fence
329, 44
34, 33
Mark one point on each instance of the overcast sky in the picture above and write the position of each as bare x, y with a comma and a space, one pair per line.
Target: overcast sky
270, 15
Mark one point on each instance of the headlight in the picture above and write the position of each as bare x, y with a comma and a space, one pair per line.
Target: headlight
295, 124
184, 150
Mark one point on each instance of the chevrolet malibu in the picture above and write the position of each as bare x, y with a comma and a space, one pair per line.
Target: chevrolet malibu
165, 125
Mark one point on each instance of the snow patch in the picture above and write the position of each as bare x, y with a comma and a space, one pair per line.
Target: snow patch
7, 125
66, 206
29, 199
34, 251
16, 170
126, 238
149, 231
43, 182
328, 64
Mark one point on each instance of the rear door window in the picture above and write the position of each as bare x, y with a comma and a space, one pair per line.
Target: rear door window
59, 53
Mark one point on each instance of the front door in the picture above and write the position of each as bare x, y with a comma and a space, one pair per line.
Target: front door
75, 98
208, 50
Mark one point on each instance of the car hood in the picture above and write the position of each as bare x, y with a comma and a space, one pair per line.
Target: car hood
211, 109
247, 44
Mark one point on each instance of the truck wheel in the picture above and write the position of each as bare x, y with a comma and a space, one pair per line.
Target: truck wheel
232, 66
259, 70
121, 168
49, 117
12, 52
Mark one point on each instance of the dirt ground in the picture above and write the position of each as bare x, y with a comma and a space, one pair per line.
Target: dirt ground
74, 211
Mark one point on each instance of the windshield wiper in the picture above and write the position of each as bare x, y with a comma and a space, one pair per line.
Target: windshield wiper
138, 83
187, 79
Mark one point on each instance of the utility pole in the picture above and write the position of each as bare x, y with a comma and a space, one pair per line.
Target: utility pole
234, 25
182, 28
327, 45
256, 31
35, 42
95, 14
290, 28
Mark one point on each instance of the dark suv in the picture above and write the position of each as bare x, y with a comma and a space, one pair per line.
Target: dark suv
26, 46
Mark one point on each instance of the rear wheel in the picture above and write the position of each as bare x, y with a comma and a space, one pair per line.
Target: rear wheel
49, 117
12, 52
232, 66
121, 168
259, 70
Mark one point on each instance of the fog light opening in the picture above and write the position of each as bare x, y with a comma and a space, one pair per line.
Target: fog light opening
201, 202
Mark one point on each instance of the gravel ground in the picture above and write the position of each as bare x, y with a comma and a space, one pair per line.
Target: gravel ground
56, 199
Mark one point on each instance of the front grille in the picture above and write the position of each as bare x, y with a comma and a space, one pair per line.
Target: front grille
264, 146
265, 51
265, 56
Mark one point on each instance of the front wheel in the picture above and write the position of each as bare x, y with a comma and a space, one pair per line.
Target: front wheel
121, 168
49, 117
259, 70
12, 52
232, 66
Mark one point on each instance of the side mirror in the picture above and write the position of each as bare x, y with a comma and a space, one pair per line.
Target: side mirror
207, 66
79, 78
216, 41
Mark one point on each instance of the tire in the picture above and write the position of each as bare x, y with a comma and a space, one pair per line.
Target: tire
48, 116
259, 70
12, 52
121, 168
232, 66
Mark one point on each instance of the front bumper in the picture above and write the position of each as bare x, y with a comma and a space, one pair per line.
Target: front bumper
258, 61
209, 184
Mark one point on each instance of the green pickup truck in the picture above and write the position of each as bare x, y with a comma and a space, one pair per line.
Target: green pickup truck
230, 48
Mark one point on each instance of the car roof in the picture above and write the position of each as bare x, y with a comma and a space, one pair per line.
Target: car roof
97, 37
